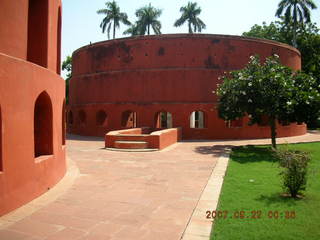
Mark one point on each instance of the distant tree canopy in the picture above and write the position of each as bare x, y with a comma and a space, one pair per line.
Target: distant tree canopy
67, 66
269, 90
308, 41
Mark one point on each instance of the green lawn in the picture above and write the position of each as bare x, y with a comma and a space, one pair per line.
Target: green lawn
252, 185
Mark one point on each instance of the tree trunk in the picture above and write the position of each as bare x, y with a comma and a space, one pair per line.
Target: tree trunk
190, 28
294, 40
148, 29
272, 123
114, 30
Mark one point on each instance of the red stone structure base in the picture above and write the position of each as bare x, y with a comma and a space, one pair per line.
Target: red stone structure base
166, 81
142, 138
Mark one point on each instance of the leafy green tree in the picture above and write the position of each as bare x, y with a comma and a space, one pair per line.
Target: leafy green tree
308, 41
190, 14
296, 10
67, 66
148, 18
268, 90
271, 31
113, 16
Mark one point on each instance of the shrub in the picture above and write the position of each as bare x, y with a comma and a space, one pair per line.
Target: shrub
294, 173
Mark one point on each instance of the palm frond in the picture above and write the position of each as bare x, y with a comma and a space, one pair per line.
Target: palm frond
113, 14
189, 14
147, 17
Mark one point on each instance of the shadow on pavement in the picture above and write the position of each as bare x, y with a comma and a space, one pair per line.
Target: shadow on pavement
83, 138
215, 150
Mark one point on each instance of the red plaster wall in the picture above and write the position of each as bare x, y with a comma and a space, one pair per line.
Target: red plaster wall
174, 73
23, 176
14, 28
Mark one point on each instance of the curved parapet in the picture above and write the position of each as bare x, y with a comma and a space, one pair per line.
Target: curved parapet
174, 75
32, 105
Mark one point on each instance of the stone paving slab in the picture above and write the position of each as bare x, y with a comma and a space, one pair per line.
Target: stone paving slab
124, 195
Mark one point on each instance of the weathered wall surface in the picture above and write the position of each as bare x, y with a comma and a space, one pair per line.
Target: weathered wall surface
173, 73
30, 91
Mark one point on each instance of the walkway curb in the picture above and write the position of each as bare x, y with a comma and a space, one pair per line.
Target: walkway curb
199, 227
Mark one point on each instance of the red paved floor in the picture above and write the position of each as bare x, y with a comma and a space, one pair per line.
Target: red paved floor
123, 195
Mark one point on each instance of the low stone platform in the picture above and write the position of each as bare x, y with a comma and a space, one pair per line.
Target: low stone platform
142, 138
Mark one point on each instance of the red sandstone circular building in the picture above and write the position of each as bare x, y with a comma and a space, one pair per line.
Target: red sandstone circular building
165, 81
32, 135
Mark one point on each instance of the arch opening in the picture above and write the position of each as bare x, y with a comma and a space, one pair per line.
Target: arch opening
101, 118
197, 119
63, 126
129, 119
163, 120
43, 134
82, 117
70, 118
234, 123
59, 41
38, 32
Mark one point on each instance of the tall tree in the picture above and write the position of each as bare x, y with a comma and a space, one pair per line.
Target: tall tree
269, 90
113, 17
308, 43
148, 18
190, 14
298, 11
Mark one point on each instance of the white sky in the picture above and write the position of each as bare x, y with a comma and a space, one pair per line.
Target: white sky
81, 22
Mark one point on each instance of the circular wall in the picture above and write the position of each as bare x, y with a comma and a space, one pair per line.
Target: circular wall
140, 81
32, 101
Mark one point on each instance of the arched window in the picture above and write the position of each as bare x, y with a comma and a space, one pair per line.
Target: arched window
197, 119
82, 117
70, 117
163, 120
264, 121
59, 41
1, 164
101, 118
63, 134
38, 32
234, 123
129, 119
43, 143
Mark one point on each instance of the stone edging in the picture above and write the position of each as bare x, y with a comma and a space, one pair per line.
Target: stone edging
199, 227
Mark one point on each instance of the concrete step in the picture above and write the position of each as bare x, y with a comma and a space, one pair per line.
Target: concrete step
130, 144
132, 150
132, 137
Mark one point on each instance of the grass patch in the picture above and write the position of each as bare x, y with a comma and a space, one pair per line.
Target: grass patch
252, 183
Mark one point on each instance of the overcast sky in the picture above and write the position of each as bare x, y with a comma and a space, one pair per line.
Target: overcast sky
233, 17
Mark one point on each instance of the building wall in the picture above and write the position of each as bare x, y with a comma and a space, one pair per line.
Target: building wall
174, 73
32, 151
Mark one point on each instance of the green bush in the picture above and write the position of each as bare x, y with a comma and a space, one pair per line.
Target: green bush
294, 170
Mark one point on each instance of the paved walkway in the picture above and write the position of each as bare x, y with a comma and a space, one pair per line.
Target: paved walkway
123, 195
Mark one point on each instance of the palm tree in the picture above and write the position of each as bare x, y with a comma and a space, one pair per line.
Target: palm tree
133, 30
113, 16
190, 13
294, 9
147, 18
